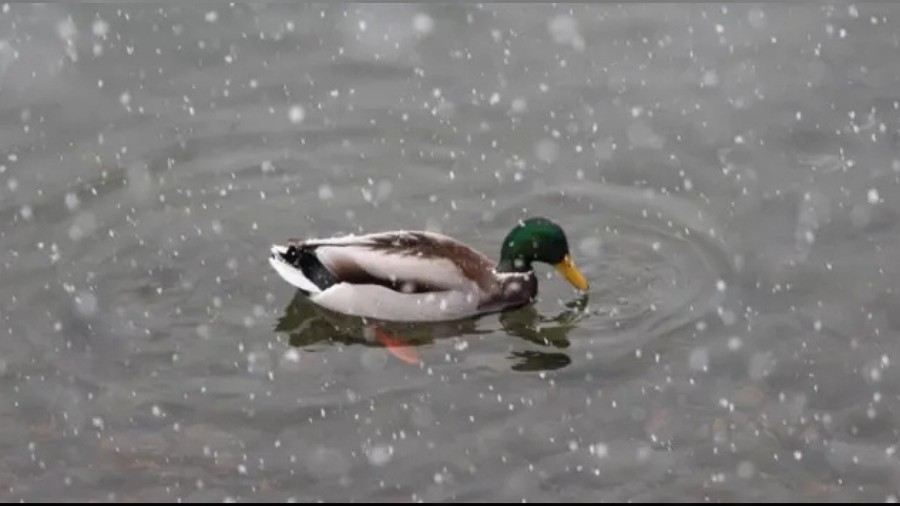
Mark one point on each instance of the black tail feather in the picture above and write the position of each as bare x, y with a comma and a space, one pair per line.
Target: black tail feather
304, 258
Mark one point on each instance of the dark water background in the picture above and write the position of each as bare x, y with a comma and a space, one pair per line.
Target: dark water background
727, 175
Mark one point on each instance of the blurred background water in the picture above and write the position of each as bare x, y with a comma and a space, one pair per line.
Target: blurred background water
727, 174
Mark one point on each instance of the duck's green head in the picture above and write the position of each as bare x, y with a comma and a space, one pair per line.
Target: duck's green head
539, 240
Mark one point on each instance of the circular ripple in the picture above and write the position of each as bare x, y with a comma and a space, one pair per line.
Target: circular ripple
656, 262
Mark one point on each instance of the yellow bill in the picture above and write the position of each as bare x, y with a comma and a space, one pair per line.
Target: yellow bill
568, 270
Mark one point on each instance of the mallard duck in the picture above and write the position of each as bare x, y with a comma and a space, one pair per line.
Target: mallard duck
418, 276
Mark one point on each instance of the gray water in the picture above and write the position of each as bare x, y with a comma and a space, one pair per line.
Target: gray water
728, 177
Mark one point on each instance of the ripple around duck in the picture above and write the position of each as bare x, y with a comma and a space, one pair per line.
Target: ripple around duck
657, 262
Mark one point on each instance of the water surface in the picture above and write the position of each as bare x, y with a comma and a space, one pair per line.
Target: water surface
727, 175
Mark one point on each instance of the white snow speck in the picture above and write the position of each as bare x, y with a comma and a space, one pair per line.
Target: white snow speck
423, 24
599, 450
873, 196
874, 374
518, 105
379, 455
85, 303
296, 114
72, 201
564, 30
212, 16
66, 29
325, 192
100, 28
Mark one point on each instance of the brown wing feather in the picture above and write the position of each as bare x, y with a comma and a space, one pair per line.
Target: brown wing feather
473, 264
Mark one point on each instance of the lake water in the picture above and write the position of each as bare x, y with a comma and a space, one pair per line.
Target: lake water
728, 177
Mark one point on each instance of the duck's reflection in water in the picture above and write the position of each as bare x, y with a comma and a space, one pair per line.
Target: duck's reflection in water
308, 325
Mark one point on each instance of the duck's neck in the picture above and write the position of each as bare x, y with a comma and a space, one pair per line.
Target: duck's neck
517, 288
520, 283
